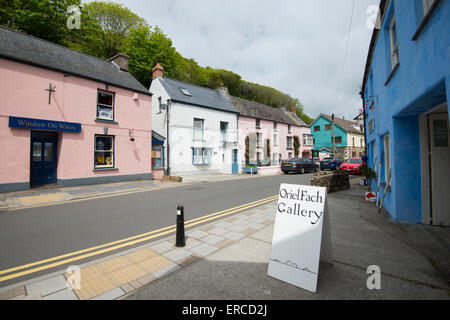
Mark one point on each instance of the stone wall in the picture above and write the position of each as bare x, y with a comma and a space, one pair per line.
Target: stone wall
333, 181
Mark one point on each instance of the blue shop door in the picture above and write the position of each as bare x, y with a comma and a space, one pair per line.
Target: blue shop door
43, 158
235, 168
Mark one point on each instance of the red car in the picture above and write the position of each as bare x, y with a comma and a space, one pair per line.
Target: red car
352, 165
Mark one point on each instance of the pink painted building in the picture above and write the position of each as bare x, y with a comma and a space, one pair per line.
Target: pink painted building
271, 133
68, 118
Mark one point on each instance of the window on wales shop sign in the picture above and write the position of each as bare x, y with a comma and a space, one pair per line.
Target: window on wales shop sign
104, 152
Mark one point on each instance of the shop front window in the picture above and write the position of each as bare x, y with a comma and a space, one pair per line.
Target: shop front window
157, 155
104, 152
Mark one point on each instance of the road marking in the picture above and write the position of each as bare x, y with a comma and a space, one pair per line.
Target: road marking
128, 241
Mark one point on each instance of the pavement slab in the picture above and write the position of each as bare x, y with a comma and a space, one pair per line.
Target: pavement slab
165, 271
48, 286
204, 249
177, 254
213, 239
66, 294
161, 247
110, 295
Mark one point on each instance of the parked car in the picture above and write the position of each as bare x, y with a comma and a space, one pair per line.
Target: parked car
331, 163
352, 165
299, 165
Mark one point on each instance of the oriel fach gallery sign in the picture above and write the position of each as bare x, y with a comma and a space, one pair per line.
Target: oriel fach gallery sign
301, 236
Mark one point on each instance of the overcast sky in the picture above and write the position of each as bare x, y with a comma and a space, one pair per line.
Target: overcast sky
295, 46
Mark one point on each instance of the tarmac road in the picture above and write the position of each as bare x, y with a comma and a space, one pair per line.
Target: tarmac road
35, 234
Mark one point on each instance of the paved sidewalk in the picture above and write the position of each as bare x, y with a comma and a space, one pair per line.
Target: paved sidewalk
228, 259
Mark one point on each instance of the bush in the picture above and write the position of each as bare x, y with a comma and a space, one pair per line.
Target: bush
368, 172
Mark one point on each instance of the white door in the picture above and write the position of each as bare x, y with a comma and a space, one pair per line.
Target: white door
440, 168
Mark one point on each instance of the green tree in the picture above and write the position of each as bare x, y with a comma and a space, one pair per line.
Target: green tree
115, 23
45, 19
296, 146
147, 46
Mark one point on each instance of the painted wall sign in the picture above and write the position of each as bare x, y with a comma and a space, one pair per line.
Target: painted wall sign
298, 242
47, 125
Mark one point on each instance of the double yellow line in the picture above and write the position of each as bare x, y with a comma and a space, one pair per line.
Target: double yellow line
86, 253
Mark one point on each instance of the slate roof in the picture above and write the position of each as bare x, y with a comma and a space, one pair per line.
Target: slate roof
41, 53
200, 96
260, 111
296, 118
347, 125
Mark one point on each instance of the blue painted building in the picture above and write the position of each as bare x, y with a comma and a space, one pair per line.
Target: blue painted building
348, 136
405, 91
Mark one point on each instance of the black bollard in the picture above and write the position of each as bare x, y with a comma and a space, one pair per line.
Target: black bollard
181, 240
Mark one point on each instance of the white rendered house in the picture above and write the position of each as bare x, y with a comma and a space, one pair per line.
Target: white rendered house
199, 125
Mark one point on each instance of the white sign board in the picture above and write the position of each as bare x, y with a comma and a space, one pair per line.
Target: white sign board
298, 238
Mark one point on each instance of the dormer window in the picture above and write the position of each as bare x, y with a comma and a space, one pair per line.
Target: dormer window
105, 105
185, 92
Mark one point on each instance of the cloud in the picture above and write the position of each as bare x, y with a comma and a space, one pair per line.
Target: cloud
294, 46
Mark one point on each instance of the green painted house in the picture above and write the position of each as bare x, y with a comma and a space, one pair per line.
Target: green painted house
348, 135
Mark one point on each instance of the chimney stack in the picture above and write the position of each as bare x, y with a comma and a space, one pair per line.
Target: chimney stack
121, 60
293, 109
158, 71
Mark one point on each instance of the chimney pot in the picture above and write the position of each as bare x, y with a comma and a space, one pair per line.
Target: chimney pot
158, 71
122, 60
